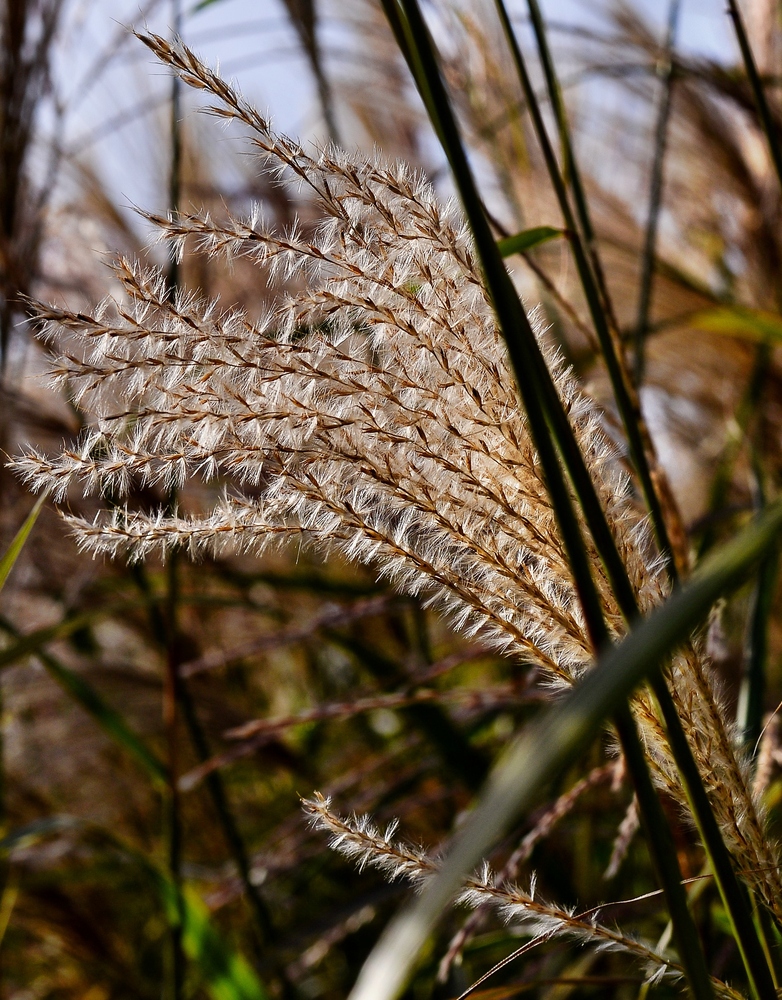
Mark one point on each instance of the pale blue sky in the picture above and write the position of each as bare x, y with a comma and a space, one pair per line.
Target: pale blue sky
107, 112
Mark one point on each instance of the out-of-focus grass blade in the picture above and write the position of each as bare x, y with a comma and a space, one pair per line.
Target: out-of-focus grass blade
226, 973
539, 755
665, 70
26, 645
764, 111
31, 833
527, 239
16, 546
108, 718
32, 642
738, 321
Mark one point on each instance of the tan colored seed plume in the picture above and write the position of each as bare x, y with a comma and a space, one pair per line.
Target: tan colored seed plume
373, 412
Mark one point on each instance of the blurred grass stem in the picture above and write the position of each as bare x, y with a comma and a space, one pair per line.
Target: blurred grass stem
665, 73
669, 533
172, 822
764, 111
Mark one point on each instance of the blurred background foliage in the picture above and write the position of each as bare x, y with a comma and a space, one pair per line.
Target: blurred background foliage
160, 722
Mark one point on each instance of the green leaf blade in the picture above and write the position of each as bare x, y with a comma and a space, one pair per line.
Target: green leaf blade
527, 239
12, 553
738, 321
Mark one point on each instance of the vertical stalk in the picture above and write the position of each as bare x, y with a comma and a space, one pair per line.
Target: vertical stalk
749, 712
734, 895
730, 889
764, 111
260, 913
751, 702
262, 921
570, 170
175, 165
176, 696
304, 18
5, 867
742, 417
670, 534
665, 74
172, 830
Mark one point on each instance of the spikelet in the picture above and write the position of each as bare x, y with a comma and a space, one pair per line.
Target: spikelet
359, 839
372, 412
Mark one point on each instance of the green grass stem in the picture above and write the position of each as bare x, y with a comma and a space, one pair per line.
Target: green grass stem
108, 718
587, 264
665, 74
764, 111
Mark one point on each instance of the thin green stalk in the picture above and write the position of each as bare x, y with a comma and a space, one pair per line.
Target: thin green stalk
665, 862
526, 359
751, 695
544, 411
764, 111
769, 935
529, 367
749, 712
729, 886
7, 562
733, 893
720, 485
172, 824
214, 782
570, 170
12, 553
665, 73
588, 267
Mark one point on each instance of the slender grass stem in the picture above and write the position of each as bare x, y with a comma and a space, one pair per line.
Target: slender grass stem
668, 529
749, 712
172, 825
546, 419
175, 164
734, 895
764, 111
751, 700
262, 919
731, 890
742, 418
665, 73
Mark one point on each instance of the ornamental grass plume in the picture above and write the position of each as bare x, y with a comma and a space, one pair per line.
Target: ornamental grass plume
371, 412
